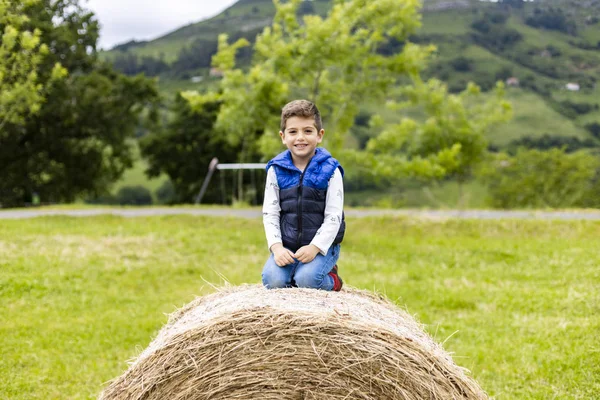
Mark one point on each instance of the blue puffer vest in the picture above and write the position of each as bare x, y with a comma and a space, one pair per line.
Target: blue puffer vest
302, 197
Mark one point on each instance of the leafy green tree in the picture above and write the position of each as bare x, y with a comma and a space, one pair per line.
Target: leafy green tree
337, 63
21, 52
76, 144
333, 61
450, 141
184, 148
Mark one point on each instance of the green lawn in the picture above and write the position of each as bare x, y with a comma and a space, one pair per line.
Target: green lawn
516, 302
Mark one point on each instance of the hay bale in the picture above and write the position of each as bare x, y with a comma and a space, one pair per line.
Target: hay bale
251, 343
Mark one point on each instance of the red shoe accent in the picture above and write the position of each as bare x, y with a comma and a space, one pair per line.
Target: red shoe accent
337, 281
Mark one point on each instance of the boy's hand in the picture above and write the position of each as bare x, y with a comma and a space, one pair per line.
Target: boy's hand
306, 254
282, 255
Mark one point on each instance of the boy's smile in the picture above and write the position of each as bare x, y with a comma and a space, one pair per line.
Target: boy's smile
301, 137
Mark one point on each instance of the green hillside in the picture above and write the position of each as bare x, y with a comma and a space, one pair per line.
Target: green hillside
244, 16
543, 44
478, 45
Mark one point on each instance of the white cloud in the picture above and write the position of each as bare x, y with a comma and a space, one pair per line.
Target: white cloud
124, 20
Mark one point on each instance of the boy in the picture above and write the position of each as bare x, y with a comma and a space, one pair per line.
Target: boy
303, 206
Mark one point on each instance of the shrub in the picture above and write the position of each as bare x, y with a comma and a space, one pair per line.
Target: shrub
591, 198
553, 50
538, 179
503, 73
484, 25
497, 38
165, 194
134, 196
552, 19
497, 17
461, 64
579, 108
104, 199
486, 80
481, 25
594, 129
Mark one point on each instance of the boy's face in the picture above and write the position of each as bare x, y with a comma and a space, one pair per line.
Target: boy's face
301, 137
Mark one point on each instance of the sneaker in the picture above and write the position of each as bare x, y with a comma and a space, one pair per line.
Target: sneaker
337, 281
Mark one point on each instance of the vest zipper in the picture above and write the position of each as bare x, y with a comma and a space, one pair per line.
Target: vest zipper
299, 238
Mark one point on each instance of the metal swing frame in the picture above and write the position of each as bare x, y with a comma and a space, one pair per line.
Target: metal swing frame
215, 165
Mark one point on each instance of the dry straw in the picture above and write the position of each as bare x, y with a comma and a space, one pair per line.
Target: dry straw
251, 343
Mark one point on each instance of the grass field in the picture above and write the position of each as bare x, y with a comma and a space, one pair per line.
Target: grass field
516, 302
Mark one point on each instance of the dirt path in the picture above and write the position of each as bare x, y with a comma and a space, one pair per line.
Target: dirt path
256, 213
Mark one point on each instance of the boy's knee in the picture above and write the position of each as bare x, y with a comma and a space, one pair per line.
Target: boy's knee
309, 280
273, 282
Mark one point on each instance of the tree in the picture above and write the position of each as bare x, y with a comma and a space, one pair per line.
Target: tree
21, 52
184, 148
76, 144
449, 142
329, 61
336, 62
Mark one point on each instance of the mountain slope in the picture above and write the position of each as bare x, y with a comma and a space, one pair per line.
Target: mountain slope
544, 45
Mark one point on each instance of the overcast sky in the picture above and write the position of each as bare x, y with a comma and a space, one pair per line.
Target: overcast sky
124, 20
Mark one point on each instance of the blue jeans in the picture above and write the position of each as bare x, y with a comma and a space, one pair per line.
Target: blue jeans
310, 275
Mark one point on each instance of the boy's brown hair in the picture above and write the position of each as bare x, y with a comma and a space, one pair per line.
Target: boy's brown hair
301, 108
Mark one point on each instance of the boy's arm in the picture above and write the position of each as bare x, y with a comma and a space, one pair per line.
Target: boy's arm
271, 209
334, 207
